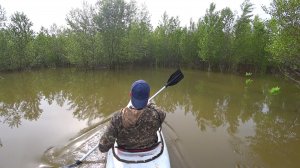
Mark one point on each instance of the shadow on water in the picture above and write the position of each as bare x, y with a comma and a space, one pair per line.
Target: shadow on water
213, 120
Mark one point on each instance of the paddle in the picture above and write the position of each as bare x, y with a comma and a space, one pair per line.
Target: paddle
176, 77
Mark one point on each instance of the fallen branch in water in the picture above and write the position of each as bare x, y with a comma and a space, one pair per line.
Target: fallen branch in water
285, 73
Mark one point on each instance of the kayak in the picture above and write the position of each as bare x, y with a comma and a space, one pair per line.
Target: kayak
156, 157
86, 145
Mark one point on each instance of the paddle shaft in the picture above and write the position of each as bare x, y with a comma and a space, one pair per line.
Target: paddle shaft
160, 90
87, 154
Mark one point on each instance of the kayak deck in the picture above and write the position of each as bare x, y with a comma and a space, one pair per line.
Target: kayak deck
157, 157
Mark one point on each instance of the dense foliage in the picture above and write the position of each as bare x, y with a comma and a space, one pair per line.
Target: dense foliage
114, 33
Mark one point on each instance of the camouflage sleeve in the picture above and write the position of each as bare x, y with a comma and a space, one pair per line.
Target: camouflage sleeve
162, 114
108, 138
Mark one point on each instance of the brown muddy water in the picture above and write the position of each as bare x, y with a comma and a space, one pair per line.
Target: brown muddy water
213, 119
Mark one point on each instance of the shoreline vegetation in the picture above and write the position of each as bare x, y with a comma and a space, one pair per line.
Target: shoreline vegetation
116, 34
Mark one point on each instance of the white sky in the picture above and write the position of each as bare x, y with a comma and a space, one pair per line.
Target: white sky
46, 12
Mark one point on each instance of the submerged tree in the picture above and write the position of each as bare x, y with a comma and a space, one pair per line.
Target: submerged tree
214, 36
22, 36
260, 40
285, 34
242, 35
227, 18
188, 44
4, 50
112, 20
136, 42
166, 41
82, 43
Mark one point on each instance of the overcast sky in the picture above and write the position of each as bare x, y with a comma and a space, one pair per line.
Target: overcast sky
46, 12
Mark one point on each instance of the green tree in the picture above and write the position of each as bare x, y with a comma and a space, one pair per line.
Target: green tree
227, 19
4, 48
158, 45
58, 47
259, 42
166, 40
22, 36
175, 34
188, 44
210, 37
242, 51
112, 19
49, 49
82, 47
4, 51
137, 39
41, 48
136, 43
285, 34
81, 20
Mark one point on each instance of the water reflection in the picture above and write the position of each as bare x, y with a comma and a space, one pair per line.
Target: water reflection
18, 100
274, 120
12, 114
87, 94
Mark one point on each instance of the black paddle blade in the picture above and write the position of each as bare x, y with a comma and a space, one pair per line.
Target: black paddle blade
175, 78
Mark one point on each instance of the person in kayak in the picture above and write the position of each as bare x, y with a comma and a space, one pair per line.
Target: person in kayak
134, 127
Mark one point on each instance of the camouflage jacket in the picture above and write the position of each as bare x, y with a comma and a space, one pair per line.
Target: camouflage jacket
133, 129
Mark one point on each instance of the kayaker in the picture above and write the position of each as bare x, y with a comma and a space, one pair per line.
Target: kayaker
134, 127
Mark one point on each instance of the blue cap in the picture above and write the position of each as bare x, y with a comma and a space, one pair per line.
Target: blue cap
140, 91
